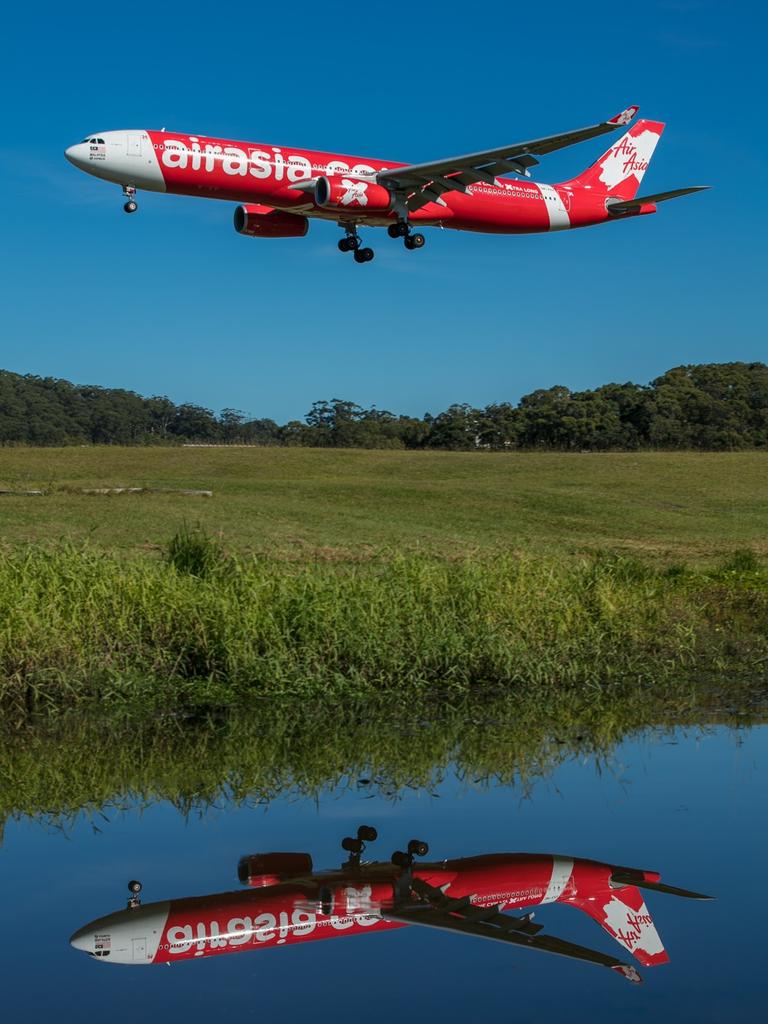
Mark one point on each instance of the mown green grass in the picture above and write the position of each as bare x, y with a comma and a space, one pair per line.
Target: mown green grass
308, 503
199, 629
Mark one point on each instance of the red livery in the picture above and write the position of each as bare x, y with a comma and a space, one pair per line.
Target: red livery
286, 902
280, 188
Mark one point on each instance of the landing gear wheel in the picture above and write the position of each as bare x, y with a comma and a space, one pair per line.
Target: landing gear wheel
398, 230
418, 848
134, 886
363, 255
367, 833
417, 241
131, 206
344, 245
401, 860
352, 845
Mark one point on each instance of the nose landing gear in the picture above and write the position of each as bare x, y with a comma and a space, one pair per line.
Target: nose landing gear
131, 206
134, 900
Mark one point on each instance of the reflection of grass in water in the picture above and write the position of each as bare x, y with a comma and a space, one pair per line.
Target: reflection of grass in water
81, 627
75, 763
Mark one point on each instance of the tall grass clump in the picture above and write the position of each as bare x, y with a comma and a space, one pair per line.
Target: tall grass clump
81, 626
193, 551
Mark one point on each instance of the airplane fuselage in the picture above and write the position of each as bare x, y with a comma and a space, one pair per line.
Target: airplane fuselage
269, 176
353, 901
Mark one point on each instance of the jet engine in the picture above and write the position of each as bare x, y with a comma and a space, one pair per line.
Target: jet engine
343, 193
264, 222
262, 869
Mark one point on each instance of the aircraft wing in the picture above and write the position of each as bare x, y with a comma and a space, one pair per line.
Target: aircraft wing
433, 909
425, 183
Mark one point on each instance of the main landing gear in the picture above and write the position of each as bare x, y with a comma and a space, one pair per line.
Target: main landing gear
416, 848
131, 206
353, 243
402, 229
355, 845
399, 229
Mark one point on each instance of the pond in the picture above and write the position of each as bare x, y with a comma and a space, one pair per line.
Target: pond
687, 801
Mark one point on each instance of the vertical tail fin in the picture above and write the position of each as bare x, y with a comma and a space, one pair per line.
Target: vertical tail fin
620, 170
624, 915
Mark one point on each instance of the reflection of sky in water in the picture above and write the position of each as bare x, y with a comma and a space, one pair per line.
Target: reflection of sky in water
692, 806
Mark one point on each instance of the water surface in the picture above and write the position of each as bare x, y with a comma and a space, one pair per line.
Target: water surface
689, 802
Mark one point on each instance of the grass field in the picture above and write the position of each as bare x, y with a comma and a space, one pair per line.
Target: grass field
307, 503
431, 575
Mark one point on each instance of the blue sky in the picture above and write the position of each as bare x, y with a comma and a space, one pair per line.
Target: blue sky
172, 301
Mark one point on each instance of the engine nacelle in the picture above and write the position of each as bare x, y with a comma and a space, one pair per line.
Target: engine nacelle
261, 869
264, 222
343, 193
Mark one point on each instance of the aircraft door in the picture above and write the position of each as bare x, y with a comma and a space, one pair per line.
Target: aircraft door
139, 950
133, 145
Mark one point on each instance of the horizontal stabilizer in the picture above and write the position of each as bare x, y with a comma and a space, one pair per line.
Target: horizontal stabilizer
620, 878
628, 205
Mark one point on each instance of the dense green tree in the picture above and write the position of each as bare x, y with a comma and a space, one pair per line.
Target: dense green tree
711, 406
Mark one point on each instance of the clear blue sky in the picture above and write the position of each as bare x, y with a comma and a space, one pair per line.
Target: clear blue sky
172, 301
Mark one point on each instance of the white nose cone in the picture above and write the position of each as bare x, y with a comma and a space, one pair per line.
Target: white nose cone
83, 940
125, 937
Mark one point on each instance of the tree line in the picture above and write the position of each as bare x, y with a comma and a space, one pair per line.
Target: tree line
710, 406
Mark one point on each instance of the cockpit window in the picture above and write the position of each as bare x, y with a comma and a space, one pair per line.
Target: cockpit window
101, 141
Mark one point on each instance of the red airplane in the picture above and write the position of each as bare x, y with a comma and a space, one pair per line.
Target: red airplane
288, 903
280, 188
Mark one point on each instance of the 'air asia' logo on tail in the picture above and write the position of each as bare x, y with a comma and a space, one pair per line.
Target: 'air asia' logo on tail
630, 156
633, 929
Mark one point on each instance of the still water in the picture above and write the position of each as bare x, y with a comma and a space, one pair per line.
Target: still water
690, 803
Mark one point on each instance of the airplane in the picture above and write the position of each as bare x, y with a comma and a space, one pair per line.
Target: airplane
280, 188
288, 903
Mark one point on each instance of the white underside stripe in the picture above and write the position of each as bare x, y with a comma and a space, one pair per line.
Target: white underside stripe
558, 215
562, 867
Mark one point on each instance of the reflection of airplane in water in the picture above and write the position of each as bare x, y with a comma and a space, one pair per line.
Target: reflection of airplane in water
288, 903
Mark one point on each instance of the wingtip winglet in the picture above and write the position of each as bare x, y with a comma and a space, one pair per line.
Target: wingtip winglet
624, 117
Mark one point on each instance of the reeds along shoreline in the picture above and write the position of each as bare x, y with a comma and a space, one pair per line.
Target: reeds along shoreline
58, 767
80, 626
